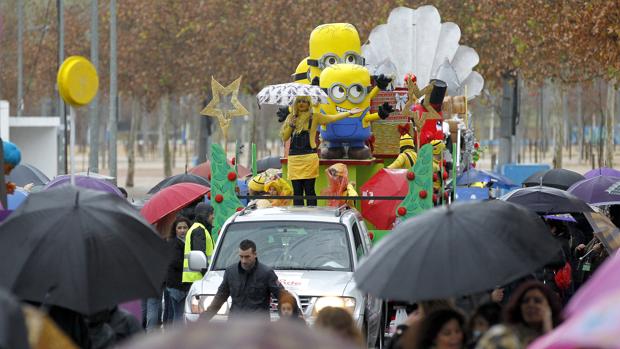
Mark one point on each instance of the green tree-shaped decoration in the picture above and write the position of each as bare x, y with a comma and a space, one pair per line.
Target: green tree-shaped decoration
223, 189
420, 196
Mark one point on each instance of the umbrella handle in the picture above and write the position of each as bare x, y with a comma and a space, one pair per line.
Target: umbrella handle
585, 255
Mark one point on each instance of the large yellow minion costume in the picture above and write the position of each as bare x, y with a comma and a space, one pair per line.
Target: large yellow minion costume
330, 44
300, 127
348, 86
407, 157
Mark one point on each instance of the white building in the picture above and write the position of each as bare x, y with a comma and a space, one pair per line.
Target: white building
36, 136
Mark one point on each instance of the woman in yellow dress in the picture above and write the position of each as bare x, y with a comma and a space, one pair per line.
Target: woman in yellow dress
300, 127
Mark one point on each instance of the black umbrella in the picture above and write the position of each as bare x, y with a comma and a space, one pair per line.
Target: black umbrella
268, 162
457, 250
555, 178
80, 249
24, 174
13, 331
180, 178
547, 200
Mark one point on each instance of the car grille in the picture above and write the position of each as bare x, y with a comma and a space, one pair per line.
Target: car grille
304, 300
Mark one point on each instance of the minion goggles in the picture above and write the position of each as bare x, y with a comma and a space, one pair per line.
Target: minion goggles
329, 59
355, 93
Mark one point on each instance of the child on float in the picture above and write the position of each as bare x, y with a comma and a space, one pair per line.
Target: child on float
339, 185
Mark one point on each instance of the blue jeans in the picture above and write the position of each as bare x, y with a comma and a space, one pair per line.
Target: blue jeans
152, 310
177, 300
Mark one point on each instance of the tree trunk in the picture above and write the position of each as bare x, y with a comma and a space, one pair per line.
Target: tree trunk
103, 149
565, 116
609, 123
136, 118
558, 129
582, 122
165, 108
254, 117
566, 123
506, 122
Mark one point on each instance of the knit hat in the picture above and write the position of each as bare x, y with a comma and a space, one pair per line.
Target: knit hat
12, 154
203, 208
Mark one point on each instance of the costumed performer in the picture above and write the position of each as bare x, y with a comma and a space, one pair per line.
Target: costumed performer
407, 156
278, 186
339, 185
300, 127
256, 187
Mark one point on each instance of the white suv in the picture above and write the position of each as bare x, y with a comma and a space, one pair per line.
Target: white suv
313, 250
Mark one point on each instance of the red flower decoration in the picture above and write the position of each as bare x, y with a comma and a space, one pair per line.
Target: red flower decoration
423, 194
239, 209
476, 145
233, 160
445, 176
410, 175
435, 177
402, 211
371, 235
232, 176
219, 198
209, 195
445, 162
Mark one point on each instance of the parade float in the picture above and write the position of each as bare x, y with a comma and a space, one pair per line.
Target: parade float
393, 111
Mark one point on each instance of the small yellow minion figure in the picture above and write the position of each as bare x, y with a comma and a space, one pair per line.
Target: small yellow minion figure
407, 156
302, 73
256, 185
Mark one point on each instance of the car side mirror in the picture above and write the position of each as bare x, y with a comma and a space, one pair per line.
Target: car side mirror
197, 261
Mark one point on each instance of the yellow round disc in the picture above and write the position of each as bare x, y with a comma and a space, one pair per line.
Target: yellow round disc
77, 81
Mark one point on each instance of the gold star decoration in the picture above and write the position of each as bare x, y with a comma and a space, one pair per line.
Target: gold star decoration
218, 108
414, 93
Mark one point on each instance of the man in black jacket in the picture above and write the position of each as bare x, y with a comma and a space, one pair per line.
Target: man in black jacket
250, 284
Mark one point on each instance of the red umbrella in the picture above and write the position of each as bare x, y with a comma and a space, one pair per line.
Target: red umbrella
204, 170
171, 199
386, 182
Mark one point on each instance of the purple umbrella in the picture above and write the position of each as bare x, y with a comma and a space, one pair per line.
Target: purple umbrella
603, 171
4, 214
85, 182
594, 190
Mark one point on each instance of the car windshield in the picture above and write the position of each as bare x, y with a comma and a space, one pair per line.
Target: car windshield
288, 245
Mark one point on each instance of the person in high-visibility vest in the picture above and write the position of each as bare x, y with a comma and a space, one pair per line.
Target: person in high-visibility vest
198, 238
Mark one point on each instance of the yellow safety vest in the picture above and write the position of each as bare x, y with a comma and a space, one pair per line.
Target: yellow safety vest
189, 275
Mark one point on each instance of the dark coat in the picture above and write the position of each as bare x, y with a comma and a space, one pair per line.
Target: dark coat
175, 269
251, 290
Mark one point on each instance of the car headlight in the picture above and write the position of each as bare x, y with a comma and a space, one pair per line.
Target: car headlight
200, 303
338, 302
